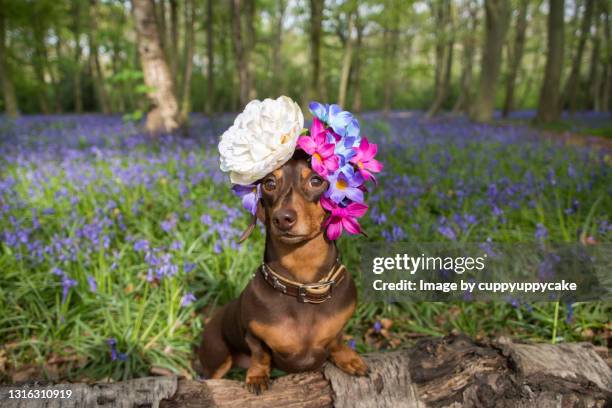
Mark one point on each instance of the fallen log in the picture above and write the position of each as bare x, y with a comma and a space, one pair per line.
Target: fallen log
449, 372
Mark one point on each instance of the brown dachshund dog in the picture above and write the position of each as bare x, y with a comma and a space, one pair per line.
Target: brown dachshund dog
278, 321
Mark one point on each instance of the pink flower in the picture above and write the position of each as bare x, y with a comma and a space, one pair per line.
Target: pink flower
364, 159
324, 161
342, 218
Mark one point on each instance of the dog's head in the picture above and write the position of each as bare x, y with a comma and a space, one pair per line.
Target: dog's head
289, 206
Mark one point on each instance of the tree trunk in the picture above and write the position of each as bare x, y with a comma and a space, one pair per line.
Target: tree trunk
239, 51
391, 38
357, 72
449, 372
571, 88
515, 55
346, 62
8, 90
174, 38
250, 47
607, 90
160, 18
96, 67
278, 77
497, 17
469, 50
594, 61
210, 53
444, 56
39, 59
76, 29
165, 115
316, 21
189, 10
549, 106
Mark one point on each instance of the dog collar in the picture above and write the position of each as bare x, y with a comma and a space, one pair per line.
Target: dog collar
317, 292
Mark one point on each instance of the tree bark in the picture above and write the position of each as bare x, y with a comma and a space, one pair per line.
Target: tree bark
174, 38
445, 372
76, 29
8, 89
549, 106
515, 55
39, 57
444, 55
357, 72
240, 53
189, 9
497, 15
346, 61
278, 77
469, 51
316, 22
605, 100
391, 39
165, 116
210, 53
94, 60
571, 88
250, 47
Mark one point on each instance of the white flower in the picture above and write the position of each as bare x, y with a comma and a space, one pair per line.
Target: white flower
262, 138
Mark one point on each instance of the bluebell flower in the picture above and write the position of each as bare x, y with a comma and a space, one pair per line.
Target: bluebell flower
187, 299
93, 286
249, 195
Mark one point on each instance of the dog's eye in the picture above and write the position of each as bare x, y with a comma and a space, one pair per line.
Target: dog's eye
269, 184
316, 181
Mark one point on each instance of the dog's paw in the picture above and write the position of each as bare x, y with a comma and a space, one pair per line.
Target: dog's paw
350, 362
257, 383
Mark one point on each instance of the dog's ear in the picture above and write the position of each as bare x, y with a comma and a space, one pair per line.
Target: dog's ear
259, 215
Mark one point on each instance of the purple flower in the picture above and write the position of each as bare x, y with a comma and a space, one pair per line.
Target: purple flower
352, 344
377, 326
176, 245
447, 231
141, 245
112, 342
93, 286
67, 283
341, 187
250, 196
570, 312
169, 224
187, 299
206, 219
541, 232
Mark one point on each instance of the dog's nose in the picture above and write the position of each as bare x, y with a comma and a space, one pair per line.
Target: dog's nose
284, 219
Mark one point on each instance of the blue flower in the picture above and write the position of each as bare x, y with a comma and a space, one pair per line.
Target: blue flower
342, 186
187, 299
93, 286
250, 196
342, 122
141, 245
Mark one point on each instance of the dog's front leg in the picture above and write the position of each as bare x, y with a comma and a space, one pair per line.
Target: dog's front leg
347, 359
258, 374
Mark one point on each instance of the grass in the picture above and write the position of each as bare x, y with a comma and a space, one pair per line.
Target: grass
129, 226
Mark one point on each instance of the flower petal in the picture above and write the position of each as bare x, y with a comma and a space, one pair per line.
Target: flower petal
351, 225
334, 230
307, 144
356, 209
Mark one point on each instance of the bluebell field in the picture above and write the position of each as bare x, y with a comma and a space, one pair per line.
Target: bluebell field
115, 247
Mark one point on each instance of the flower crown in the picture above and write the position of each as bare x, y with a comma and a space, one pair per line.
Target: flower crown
337, 152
